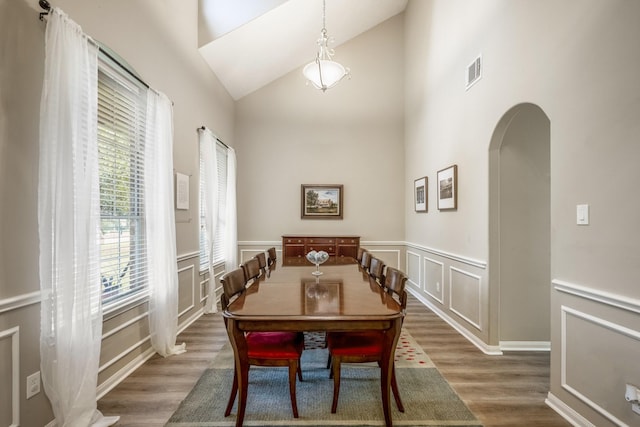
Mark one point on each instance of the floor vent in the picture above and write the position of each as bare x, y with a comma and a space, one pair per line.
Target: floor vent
474, 72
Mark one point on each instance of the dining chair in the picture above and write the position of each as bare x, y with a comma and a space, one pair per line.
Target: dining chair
366, 260
366, 346
276, 349
361, 250
376, 268
262, 259
251, 269
271, 260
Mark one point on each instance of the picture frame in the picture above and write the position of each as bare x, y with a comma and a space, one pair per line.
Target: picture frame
182, 191
321, 201
420, 194
448, 188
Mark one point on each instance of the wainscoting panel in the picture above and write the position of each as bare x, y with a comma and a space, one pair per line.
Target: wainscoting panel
465, 296
10, 368
434, 279
187, 288
593, 372
390, 257
413, 271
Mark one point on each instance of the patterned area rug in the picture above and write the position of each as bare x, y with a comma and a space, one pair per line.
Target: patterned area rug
427, 397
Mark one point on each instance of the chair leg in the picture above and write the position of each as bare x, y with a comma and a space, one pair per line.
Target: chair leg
232, 395
396, 392
335, 371
293, 368
299, 371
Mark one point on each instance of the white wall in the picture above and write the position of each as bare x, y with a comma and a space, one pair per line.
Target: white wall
576, 61
289, 134
159, 39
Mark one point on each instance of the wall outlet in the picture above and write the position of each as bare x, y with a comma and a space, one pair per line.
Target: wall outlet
438, 286
33, 384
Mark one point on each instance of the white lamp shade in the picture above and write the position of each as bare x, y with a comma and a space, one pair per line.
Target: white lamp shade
332, 72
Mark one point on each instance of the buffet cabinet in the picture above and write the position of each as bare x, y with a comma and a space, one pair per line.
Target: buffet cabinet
296, 246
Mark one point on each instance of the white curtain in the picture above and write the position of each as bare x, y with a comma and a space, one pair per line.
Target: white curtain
231, 244
68, 225
160, 230
209, 155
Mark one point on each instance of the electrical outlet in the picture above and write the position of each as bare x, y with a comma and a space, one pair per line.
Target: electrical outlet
33, 384
438, 286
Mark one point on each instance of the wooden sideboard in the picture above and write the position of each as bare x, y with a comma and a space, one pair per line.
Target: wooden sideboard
295, 246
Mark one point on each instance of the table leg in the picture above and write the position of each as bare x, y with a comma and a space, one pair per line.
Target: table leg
391, 336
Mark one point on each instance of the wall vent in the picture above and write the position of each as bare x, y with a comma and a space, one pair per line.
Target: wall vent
474, 72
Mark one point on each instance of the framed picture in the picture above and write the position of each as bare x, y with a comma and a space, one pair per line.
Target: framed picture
420, 194
182, 191
321, 201
448, 188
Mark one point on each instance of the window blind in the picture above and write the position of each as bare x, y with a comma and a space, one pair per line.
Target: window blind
121, 140
219, 238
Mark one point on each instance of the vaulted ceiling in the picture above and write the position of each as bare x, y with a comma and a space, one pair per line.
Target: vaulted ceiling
250, 43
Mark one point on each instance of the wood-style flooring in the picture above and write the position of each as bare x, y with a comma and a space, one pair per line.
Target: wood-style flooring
506, 390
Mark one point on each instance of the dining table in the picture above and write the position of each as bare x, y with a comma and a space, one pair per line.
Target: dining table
294, 297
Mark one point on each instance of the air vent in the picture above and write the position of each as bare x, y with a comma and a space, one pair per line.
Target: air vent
474, 72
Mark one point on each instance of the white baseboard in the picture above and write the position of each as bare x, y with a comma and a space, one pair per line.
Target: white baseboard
566, 412
486, 349
525, 345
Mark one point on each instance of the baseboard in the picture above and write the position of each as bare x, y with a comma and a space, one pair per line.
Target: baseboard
566, 412
123, 373
130, 367
486, 349
525, 345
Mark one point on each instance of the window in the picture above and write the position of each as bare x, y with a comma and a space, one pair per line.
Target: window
219, 239
121, 140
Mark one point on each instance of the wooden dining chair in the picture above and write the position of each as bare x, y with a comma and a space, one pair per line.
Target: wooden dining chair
262, 260
263, 348
365, 346
365, 260
271, 260
361, 250
376, 268
251, 269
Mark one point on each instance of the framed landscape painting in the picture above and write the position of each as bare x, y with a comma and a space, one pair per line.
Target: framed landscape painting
448, 188
321, 201
420, 194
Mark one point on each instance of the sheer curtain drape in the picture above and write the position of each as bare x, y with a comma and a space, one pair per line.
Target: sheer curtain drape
68, 225
209, 156
231, 244
160, 229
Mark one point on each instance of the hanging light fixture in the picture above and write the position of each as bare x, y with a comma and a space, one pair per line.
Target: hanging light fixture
324, 73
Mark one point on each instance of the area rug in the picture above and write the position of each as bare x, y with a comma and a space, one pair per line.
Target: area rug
428, 399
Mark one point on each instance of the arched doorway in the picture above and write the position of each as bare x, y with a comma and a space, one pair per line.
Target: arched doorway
519, 229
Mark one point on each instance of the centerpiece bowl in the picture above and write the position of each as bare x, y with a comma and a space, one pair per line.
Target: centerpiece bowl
317, 258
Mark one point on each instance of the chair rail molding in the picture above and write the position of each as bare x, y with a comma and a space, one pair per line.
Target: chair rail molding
19, 301
608, 298
454, 257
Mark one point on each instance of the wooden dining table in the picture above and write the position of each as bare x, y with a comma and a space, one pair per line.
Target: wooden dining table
291, 298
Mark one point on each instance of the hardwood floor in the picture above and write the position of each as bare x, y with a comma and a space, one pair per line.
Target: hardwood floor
500, 390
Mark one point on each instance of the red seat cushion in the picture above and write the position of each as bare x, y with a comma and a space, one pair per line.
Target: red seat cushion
365, 343
274, 345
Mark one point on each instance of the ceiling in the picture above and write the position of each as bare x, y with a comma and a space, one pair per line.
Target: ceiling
250, 43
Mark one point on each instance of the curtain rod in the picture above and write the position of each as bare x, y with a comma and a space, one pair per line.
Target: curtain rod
44, 4
217, 139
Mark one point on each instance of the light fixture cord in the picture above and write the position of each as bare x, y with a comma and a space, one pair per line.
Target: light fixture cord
324, 15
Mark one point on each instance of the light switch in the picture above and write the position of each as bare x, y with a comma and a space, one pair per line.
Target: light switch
582, 214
